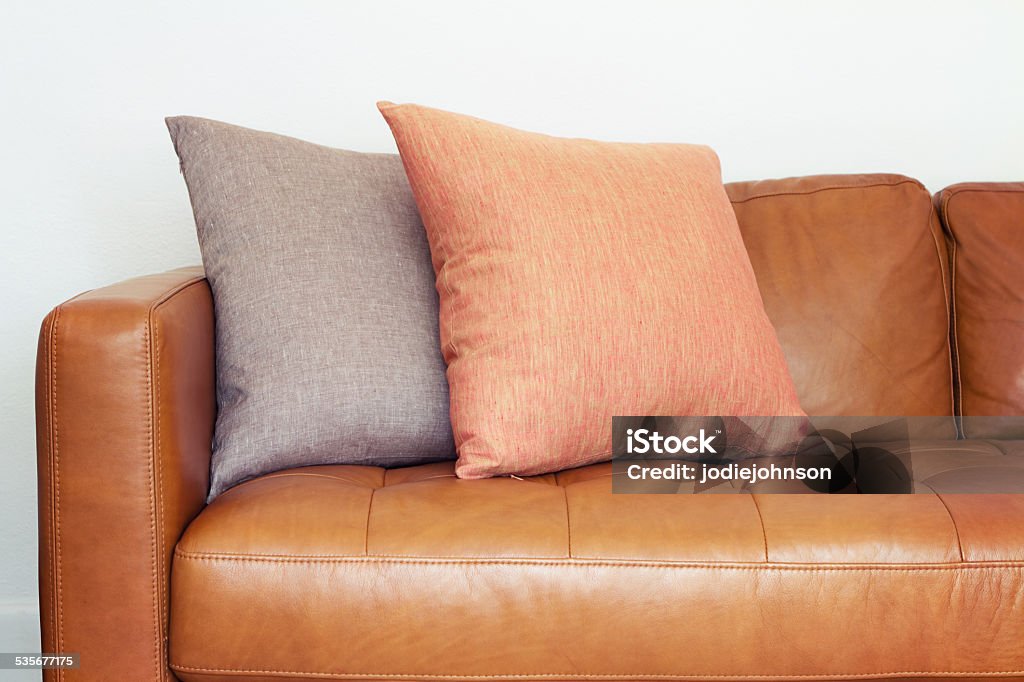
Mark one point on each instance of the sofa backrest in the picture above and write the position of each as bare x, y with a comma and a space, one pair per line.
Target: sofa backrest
985, 226
853, 273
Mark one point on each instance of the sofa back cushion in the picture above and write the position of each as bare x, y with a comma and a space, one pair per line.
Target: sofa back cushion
326, 310
985, 224
581, 280
852, 270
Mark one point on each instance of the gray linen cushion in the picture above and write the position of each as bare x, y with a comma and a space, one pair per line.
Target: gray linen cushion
327, 315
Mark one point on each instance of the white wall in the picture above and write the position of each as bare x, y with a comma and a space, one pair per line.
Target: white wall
89, 185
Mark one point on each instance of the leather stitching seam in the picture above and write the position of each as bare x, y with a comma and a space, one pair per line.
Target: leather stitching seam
828, 188
56, 569
950, 193
58, 629
185, 555
162, 579
585, 676
150, 475
174, 291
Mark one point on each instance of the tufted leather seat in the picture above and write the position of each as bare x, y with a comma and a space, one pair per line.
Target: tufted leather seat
412, 573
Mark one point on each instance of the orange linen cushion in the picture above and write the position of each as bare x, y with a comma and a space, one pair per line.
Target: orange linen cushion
581, 280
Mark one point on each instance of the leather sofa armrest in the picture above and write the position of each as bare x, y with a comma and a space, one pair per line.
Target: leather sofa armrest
125, 408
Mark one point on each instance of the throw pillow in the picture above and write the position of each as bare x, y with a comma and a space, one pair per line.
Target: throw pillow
580, 280
324, 296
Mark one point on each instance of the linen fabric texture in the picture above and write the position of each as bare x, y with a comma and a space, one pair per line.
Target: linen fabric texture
326, 312
580, 280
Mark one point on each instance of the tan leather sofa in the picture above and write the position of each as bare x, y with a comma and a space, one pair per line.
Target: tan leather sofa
346, 572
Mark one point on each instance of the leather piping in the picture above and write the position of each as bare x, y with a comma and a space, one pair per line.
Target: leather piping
765, 195
587, 676
58, 612
816, 567
152, 439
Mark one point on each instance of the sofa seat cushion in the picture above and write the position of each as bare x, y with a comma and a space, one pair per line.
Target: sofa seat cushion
350, 572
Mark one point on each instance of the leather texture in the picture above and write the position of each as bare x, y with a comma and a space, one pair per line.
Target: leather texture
125, 410
985, 226
343, 572
852, 270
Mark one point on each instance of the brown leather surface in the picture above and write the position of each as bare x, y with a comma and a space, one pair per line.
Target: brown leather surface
985, 224
359, 573
852, 270
125, 408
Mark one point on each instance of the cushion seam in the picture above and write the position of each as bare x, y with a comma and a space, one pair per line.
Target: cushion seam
940, 254
185, 555
369, 510
175, 290
827, 188
152, 406
982, 190
568, 520
956, 530
610, 676
946, 219
55, 486
764, 529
